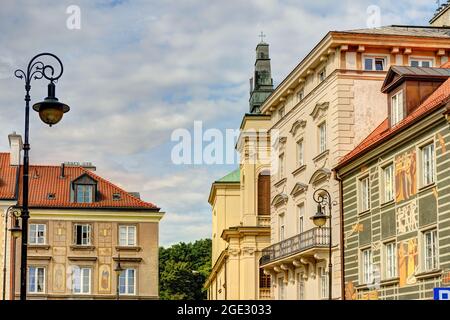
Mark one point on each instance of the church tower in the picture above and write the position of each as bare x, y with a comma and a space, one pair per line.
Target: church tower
261, 85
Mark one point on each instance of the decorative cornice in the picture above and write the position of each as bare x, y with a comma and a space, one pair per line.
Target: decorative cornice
298, 188
280, 199
320, 175
297, 125
319, 107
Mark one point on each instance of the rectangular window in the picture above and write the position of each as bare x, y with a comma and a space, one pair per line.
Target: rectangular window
281, 113
81, 280
322, 137
300, 287
300, 156
37, 233
127, 235
36, 280
301, 217
364, 191
323, 283
264, 280
127, 282
367, 270
82, 234
430, 250
390, 256
424, 63
281, 289
281, 166
388, 177
282, 228
397, 108
84, 193
374, 63
322, 74
428, 164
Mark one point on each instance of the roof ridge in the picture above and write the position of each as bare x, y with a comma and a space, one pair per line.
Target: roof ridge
117, 187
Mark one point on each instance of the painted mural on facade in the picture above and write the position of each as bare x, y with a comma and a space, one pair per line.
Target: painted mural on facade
407, 261
407, 220
405, 176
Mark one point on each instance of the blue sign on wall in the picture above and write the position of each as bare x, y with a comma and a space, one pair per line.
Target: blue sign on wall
442, 293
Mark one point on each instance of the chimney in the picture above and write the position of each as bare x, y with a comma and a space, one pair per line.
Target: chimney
62, 170
16, 146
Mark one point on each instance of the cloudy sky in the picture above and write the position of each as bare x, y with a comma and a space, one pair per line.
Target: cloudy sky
137, 70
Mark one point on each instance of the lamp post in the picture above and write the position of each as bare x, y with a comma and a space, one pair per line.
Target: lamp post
118, 270
323, 198
51, 112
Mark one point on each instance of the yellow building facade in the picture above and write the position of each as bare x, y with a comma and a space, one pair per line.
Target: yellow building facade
241, 219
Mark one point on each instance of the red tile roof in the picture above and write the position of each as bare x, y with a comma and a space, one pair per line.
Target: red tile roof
383, 132
45, 180
8, 178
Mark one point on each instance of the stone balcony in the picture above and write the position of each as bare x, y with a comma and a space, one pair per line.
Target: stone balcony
264, 294
302, 245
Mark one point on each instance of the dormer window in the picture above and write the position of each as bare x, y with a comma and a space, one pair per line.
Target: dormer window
84, 189
397, 112
84, 193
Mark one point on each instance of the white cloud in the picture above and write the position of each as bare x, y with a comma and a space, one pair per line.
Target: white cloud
139, 69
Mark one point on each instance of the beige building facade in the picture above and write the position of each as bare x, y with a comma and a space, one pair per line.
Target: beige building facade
320, 112
81, 228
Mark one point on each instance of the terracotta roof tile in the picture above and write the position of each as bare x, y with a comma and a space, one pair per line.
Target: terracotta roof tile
382, 132
8, 178
45, 180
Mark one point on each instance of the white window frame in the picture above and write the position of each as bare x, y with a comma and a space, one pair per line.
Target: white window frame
322, 133
127, 242
388, 183
89, 234
421, 60
33, 272
282, 227
87, 197
390, 260
374, 58
301, 217
397, 108
300, 153
363, 193
126, 286
323, 283
36, 231
435, 255
82, 271
366, 266
427, 177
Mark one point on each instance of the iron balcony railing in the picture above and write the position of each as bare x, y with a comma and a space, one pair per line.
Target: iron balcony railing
316, 237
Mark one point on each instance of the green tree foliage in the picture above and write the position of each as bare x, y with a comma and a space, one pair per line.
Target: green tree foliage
183, 269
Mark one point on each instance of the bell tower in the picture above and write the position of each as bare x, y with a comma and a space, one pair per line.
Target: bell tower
261, 85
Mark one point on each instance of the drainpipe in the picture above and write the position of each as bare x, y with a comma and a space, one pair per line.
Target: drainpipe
341, 221
225, 285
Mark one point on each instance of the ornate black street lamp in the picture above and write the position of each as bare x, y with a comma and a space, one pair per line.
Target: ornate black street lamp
323, 199
51, 112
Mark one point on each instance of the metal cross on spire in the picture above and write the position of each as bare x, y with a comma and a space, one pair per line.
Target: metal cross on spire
262, 36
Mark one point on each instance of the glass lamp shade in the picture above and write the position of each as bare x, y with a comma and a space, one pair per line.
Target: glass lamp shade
319, 220
51, 110
16, 231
